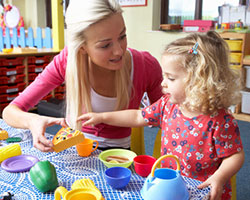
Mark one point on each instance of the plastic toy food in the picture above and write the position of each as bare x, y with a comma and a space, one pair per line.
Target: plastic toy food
13, 139
65, 138
10, 151
117, 159
43, 175
7, 50
3, 134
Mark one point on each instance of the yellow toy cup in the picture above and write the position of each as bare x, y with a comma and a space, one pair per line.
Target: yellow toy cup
77, 194
10, 151
85, 148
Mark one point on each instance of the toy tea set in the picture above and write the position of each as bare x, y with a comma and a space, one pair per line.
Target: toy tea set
164, 183
160, 184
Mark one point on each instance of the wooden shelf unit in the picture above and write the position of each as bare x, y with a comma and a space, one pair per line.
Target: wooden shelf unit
245, 60
25, 56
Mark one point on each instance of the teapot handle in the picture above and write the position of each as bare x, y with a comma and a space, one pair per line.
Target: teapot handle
163, 157
60, 191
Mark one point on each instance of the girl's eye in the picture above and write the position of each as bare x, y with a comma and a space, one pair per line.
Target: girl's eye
171, 79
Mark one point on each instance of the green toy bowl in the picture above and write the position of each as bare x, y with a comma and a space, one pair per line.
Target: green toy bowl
117, 152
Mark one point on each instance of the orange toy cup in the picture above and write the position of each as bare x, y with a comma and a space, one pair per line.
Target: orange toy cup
85, 148
143, 164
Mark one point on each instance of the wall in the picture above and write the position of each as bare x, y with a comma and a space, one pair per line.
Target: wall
143, 28
33, 12
142, 24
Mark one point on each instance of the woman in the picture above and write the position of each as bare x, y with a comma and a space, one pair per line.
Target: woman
100, 73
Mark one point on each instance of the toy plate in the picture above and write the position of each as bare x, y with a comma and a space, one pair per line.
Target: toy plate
19, 163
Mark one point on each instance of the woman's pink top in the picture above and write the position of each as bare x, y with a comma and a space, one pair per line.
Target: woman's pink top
147, 77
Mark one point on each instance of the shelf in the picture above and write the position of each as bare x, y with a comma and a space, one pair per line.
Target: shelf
232, 35
39, 52
246, 60
242, 117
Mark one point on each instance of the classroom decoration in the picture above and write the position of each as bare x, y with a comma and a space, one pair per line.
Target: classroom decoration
11, 18
11, 38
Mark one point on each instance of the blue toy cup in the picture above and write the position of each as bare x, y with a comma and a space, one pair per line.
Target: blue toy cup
117, 177
165, 184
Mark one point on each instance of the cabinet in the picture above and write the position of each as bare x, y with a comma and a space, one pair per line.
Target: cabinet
18, 70
240, 56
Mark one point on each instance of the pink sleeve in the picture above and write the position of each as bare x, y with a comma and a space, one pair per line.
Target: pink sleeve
153, 77
147, 77
51, 77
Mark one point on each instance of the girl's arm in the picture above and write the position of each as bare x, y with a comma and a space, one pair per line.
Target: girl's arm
229, 166
125, 118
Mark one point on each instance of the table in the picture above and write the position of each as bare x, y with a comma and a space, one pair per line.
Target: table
71, 167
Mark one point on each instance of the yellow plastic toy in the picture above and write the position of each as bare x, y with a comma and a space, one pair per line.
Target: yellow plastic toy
81, 189
3, 134
5, 50
10, 151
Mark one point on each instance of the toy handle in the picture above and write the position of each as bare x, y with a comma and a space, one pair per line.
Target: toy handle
163, 157
60, 191
95, 141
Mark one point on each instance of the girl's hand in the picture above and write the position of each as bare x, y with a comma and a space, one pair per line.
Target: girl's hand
38, 125
216, 187
91, 118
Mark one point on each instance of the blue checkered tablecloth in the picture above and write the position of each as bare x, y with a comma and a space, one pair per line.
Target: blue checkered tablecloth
71, 167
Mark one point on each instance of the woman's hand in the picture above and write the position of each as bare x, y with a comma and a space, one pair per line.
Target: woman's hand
216, 187
91, 118
38, 125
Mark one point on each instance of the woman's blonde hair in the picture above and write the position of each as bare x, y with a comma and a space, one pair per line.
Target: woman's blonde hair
210, 83
79, 16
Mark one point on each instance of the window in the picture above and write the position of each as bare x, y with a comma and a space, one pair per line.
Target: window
176, 11
48, 11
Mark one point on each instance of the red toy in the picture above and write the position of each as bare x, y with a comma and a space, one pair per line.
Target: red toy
198, 25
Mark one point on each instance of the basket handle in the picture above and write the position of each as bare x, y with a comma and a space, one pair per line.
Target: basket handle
163, 157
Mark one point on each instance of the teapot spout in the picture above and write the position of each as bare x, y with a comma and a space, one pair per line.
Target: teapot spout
60, 191
149, 183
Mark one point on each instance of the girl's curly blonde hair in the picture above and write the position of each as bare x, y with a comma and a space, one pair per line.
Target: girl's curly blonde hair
210, 83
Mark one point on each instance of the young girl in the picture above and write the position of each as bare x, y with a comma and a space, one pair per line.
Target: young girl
193, 114
100, 72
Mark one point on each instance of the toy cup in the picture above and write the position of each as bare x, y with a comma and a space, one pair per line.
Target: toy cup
10, 151
165, 183
85, 148
117, 177
77, 194
143, 164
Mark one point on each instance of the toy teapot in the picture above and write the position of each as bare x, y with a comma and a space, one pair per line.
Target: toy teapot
165, 184
83, 189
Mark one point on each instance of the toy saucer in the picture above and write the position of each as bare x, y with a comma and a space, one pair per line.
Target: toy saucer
19, 163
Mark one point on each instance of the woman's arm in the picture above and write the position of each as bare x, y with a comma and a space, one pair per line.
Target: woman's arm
37, 124
229, 166
125, 118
